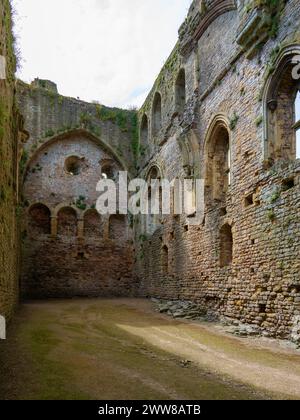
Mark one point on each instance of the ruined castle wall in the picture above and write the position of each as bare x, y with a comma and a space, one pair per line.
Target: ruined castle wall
57, 269
216, 48
261, 285
48, 114
241, 261
8, 171
68, 248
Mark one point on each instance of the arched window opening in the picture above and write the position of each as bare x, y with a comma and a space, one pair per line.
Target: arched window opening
144, 130
165, 260
282, 102
218, 163
297, 124
156, 114
39, 222
118, 228
226, 246
154, 173
180, 92
108, 172
67, 222
92, 224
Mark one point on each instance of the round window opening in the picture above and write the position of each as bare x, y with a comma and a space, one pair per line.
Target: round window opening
73, 165
108, 172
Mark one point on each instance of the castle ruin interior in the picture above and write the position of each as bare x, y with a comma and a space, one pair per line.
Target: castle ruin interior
225, 108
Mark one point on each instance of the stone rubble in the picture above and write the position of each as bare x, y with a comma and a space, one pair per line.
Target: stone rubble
188, 310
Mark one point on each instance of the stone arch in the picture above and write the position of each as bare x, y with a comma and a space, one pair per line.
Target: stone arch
69, 134
226, 246
190, 152
154, 172
217, 155
92, 223
60, 206
210, 11
180, 91
279, 99
144, 131
156, 114
118, 227
67, 221
39, 220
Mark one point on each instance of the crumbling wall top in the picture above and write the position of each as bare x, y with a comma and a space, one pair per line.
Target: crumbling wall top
45, 84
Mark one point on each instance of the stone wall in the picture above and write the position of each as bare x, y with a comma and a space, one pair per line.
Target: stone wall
9, 122
218, 111
48, 115
255, 226
68, 249
70, 267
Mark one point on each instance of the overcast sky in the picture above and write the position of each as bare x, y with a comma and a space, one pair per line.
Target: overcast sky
105, 50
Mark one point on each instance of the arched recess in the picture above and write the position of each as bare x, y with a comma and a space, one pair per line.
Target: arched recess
156, 114
165, 260
67, 222
118, 228
39, 220
180, 92
144, 131
153, 219
217, 155
190, 152
190, 155
92, 222
72, 133
210, 10
281, 123
226, 246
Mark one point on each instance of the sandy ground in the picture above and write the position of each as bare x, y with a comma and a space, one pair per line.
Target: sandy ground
123, 349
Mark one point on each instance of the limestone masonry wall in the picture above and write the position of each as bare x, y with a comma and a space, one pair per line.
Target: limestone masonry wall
9, 123
242, 261
68, 249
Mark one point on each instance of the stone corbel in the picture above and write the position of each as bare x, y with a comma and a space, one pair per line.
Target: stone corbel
272, 104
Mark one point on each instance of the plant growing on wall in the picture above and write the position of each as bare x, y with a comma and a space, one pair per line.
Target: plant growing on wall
234, 121
80, 203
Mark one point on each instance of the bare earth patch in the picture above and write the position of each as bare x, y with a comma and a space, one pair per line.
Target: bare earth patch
123, 349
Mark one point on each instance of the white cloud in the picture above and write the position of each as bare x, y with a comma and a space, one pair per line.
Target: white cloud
105, 50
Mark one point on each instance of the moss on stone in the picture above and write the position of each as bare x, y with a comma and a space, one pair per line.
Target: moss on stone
233, 121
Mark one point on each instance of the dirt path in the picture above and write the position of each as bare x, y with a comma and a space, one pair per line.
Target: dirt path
122, 349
